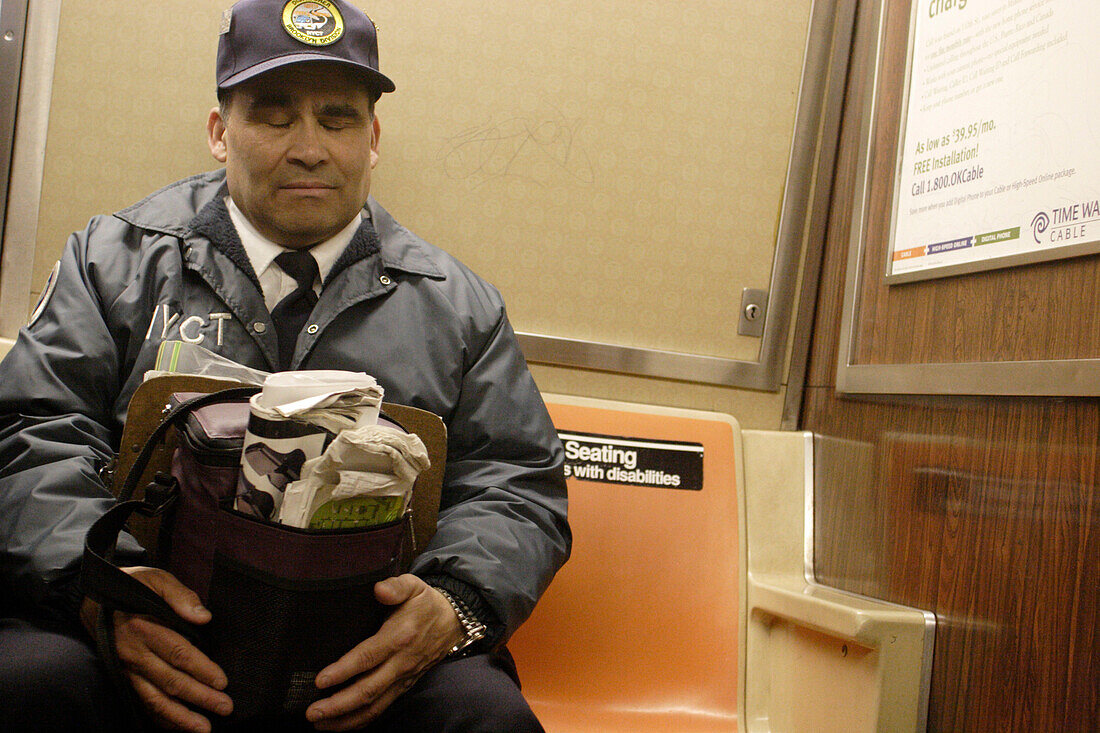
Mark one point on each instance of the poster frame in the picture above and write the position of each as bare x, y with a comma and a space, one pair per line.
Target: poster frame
1055, 377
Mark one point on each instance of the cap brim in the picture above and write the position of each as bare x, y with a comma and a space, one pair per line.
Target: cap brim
379, 81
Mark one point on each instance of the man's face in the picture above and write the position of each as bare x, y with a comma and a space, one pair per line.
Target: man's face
298, 144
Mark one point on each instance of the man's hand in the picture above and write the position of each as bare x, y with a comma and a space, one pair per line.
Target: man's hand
165, 669
417, 635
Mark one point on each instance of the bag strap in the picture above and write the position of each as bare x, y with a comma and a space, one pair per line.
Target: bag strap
113, 589
104, 582
101, 578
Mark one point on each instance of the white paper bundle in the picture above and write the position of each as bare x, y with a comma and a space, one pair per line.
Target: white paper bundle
364, 477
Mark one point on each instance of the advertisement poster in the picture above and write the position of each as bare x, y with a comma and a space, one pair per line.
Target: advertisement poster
999, 155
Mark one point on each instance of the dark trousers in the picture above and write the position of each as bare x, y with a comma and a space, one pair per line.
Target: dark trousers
50, 681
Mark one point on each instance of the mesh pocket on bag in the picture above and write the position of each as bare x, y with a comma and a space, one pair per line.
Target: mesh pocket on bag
272, 636
288, 602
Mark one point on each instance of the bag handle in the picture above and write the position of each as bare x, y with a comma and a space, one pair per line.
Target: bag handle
104, 582
101, 578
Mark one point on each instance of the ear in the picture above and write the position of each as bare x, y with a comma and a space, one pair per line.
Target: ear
215, 135
376, 133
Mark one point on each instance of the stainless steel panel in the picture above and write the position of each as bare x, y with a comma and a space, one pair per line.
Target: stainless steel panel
754, 303
13, 24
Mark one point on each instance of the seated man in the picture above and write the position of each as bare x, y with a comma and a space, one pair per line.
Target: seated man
217, 259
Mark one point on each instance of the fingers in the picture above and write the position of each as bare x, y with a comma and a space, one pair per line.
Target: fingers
418, 634
166, 711
365, 657
388, 663
364, 700
395, 591
398, 634
173, 665
405, 591
182, 599
325, 718
178, 653
167, 671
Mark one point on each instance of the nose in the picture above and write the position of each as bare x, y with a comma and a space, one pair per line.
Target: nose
307, 146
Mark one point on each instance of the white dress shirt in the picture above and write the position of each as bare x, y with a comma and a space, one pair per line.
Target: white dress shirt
262, 252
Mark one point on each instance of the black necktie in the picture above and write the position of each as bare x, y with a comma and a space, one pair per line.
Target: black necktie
292, 312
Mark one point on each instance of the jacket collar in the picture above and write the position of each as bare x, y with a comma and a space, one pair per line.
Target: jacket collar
400, 249
195, 206
171, 209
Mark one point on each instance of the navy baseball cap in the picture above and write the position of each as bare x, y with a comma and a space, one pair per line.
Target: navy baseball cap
261, 35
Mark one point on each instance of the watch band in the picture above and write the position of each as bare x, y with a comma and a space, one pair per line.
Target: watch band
472, 629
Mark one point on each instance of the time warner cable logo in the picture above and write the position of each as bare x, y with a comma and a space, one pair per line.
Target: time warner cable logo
1039, 225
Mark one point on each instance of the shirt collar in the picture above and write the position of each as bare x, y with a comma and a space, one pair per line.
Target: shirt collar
262, 251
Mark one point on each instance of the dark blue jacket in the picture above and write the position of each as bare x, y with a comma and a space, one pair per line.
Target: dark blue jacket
432, 333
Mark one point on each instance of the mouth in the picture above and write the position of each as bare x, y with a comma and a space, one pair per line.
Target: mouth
307, 187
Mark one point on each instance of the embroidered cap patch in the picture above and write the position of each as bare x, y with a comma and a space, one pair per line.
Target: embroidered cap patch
316, 22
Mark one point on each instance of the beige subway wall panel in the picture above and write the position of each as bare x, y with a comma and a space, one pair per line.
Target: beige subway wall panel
615, 168
133, 83
818, 658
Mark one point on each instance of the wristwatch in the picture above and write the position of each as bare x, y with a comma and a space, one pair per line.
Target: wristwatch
472, 629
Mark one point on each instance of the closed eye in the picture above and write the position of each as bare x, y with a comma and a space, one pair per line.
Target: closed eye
271, 109
339, 116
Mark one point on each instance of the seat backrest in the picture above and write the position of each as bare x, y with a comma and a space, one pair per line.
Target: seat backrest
146, 410
645, 615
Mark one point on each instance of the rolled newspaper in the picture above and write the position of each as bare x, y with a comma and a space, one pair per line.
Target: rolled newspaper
293, 419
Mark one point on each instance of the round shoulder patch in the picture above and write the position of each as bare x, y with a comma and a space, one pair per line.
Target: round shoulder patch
47, 292
316, 22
